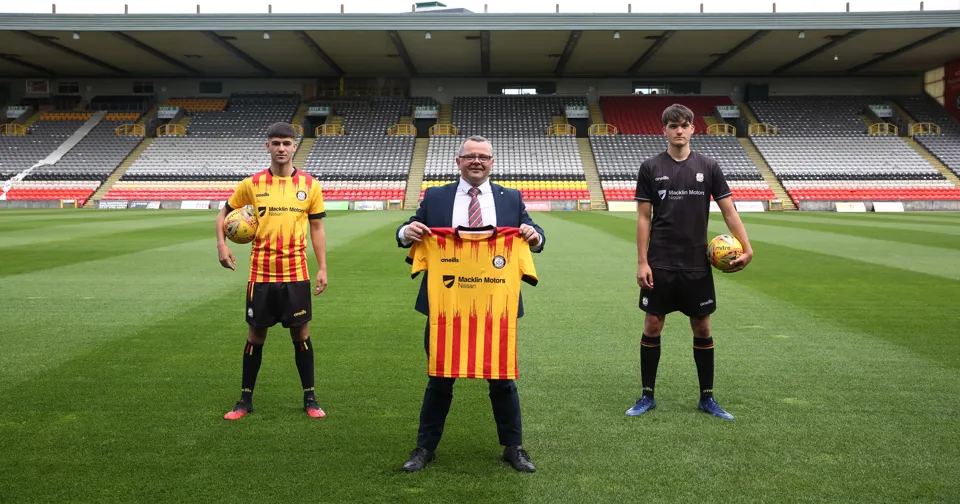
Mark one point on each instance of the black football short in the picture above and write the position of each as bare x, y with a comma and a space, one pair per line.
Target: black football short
689, 292
286, 302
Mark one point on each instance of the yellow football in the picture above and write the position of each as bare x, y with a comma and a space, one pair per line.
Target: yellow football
723, 249
240, 226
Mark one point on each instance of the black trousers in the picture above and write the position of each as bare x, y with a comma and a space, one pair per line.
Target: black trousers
439, 395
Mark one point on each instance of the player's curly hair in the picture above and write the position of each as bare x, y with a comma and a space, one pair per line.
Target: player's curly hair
281, 130
677, 113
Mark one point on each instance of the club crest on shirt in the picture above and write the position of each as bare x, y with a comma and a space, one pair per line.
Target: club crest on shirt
699, 177
499, 262
662, 193
302, 195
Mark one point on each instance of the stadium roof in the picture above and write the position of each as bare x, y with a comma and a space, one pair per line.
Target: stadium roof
477, 45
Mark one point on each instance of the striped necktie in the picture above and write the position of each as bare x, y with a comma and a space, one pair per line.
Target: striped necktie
476, 217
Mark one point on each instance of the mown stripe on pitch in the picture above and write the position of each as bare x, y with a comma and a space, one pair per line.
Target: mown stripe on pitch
48, 236
106, 223
880, 223
893, 302
918, 216
10, 225
52, 314
912, 257
21, 259
909, 309
902, 233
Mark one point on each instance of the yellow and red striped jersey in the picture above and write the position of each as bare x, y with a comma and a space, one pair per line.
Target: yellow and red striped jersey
284, 206
473, 285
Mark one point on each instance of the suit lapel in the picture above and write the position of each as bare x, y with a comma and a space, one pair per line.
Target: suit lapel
449, 195
502, 217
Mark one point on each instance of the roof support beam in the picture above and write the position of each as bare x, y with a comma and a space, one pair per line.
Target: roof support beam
485, 52
26, 64
232, 49
909, 47
402, 51
154, 52
825, 47
757, 35
568, 51
642, 60
315, 47
72, 52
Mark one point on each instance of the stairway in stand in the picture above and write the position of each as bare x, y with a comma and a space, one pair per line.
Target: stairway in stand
596, 113
303, 150
418, 164
445, 114
930, 158
118, 173
745, 110
146, 115
597, 200
767, 173
300, 115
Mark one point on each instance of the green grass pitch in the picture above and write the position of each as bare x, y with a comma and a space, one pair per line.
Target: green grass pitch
837, 350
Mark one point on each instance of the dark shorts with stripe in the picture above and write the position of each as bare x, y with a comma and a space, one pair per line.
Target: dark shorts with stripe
286, 302
689, 292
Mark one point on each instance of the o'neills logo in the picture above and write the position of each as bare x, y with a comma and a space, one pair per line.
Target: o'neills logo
449, 260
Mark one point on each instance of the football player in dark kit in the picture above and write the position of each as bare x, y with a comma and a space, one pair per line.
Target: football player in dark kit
672, 267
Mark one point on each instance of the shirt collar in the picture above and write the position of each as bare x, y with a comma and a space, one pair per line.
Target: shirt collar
465, 186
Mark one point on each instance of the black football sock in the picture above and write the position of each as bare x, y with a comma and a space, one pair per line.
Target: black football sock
303, 354
649, 360
252, 357
703, 356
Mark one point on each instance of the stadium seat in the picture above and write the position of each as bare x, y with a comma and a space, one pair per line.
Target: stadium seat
542, 168
642, 115
618, 159
510, 116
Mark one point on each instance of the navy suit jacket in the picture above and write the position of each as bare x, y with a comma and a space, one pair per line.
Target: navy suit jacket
436, 210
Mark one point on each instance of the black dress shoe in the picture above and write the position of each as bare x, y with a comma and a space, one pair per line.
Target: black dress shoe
419, 458
518, 458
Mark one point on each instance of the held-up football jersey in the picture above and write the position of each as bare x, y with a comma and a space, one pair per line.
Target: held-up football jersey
473, 285
680, 193
283, 206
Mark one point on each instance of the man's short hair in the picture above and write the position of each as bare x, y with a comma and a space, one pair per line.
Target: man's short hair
281, 130
677, 113
474, 138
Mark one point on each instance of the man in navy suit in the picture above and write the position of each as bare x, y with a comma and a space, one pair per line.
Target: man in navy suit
454, 205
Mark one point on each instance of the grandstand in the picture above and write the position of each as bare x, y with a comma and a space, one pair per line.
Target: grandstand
944, 144
542, 168
824, 151
363, 161
619, 157
224, 143
563, 130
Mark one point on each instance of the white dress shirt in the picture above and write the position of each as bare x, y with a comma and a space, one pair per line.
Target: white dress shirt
461, 209
461, 205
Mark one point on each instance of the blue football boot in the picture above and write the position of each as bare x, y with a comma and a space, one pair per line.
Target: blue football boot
644, 404
709, 405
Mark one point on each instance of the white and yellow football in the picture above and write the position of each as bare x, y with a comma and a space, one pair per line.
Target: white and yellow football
722, 250
240, 225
